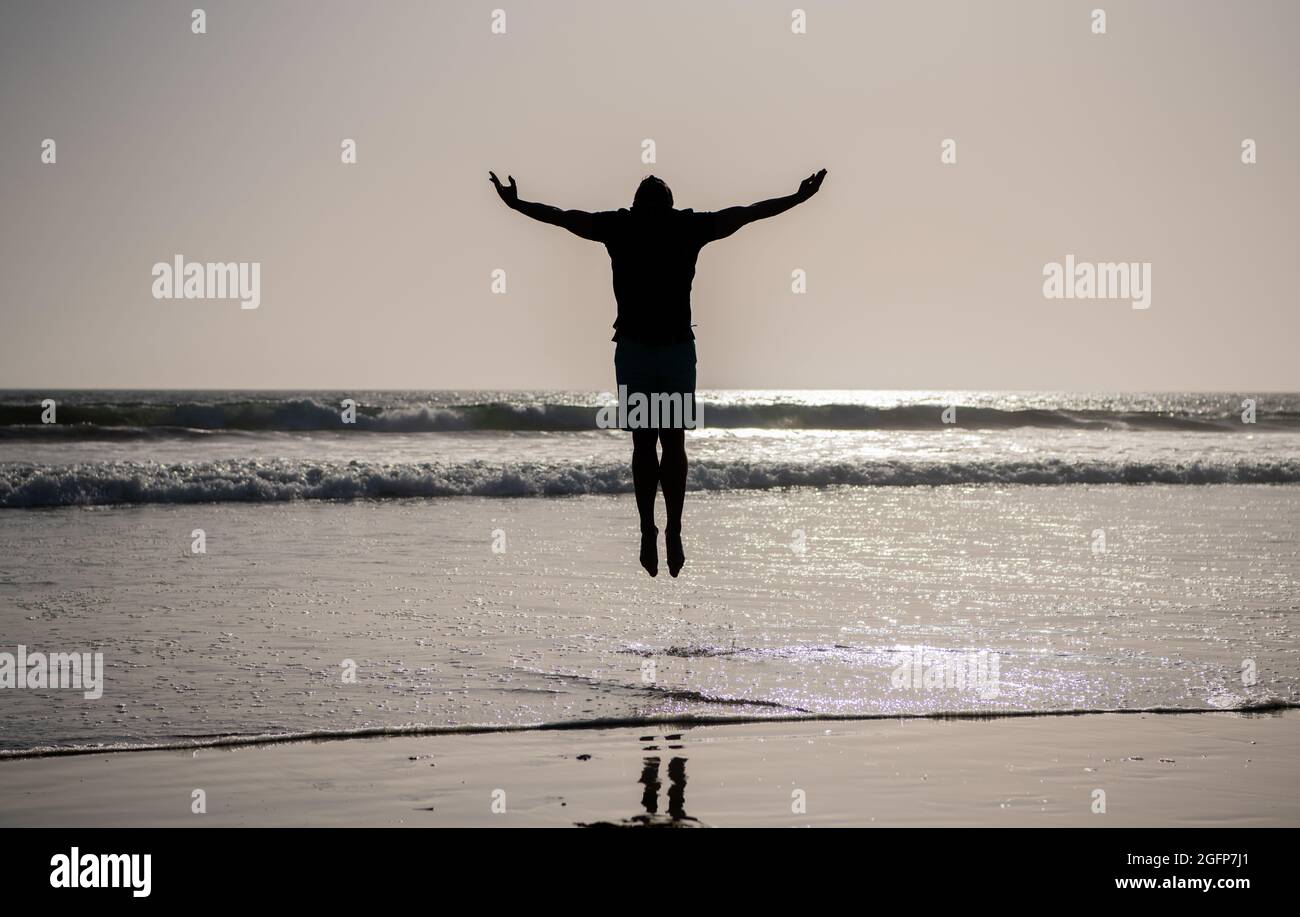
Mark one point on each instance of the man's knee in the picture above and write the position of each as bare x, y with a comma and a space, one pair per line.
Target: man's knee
674, 442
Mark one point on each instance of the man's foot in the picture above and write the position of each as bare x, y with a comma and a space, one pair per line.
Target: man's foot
650, 551
673, 545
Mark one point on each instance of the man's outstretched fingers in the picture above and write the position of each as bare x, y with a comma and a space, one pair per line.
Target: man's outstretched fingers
813, 182
508, 194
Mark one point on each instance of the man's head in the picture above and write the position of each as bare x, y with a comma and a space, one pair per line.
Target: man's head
652, 194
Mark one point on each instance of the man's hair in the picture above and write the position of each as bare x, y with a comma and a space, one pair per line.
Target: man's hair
653, 194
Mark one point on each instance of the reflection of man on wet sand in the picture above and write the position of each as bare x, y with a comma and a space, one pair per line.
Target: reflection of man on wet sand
649, 780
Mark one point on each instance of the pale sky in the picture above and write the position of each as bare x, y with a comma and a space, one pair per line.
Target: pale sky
226, 147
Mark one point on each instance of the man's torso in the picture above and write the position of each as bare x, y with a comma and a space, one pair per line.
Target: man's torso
653, 260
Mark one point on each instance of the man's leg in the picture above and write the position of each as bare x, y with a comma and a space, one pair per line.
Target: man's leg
645, 481
672, 472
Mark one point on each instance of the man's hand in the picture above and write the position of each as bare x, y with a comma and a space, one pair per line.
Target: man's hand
808, 187
510, 194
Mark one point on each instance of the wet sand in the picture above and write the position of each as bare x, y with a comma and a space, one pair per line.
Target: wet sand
1199, 769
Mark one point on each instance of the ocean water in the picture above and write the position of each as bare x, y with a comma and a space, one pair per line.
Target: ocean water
850, 555
177, 447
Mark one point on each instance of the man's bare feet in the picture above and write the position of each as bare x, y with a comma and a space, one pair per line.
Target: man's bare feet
650, 551
673, 545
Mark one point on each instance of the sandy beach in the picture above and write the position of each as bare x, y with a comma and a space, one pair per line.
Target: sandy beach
664, 696
1215, 769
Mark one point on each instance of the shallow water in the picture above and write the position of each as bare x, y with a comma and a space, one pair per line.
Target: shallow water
794, 601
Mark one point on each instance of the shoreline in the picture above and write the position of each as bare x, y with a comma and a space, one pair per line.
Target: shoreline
629, 722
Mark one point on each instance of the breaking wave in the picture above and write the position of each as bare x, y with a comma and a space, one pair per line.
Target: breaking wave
255, 481
146, 419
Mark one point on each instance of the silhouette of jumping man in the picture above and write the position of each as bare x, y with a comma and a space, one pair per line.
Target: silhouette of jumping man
652, 250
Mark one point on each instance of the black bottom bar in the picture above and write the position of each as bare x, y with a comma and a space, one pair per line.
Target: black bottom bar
370, 865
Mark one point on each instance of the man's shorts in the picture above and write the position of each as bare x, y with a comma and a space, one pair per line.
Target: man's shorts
657, 369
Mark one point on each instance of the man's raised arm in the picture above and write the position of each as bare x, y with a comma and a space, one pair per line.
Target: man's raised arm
578, 222
728, 221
